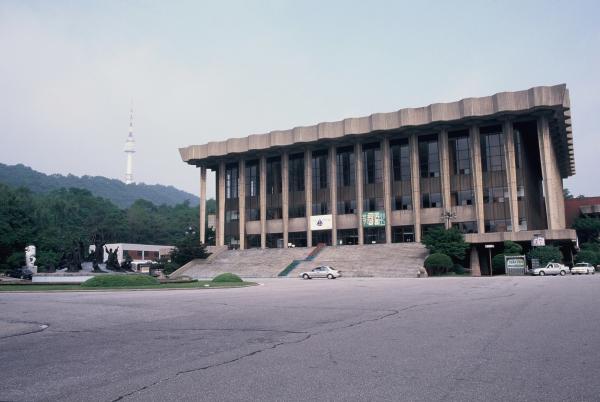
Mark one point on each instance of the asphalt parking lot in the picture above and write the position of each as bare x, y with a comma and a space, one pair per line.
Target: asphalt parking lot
436, 339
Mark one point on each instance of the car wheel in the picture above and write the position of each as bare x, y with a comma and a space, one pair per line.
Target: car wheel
542, 273
562, 273
329, 276
305, 276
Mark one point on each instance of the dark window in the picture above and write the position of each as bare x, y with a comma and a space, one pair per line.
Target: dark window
319, 170
466, 227
274, 175
460, 155
492, 152
403, 234
373, 204
346, 207
297, 239
345, 167
252, 191
400, 161
462, 197
347, 236
231, 181
402, 202
432, 200
297, 198
429, 158
372, 164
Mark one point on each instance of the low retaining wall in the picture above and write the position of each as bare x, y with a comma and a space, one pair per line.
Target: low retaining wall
61, 278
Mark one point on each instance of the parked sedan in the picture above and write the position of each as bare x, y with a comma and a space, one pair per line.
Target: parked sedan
321, 272
583, 268
553, 268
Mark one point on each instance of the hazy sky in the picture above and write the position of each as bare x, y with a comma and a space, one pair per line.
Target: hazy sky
199, 72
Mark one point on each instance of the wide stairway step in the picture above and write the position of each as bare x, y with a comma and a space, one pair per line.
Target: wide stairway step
397, 260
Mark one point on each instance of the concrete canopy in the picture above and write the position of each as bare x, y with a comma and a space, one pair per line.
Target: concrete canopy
553, 100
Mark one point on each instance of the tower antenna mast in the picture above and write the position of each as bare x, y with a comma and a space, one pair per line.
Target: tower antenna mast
130, 149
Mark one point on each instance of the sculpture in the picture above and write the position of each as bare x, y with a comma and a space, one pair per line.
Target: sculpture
97, 256
112, 261
73, 258
30, 258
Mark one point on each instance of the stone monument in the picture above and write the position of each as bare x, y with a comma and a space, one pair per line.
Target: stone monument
30, 258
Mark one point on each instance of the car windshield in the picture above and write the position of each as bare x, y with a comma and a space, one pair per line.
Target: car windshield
581, 264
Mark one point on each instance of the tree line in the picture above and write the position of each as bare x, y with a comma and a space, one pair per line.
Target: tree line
56, 220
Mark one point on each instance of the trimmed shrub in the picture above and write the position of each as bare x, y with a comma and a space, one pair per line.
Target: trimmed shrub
546, 254
450, 242
438, 263
458, 269
227, 277
115, 281
498, 264
512, 248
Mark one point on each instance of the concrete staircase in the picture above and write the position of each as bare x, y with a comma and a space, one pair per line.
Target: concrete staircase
253, 263
396, 260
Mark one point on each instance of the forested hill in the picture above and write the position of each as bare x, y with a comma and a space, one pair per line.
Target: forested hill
121, 194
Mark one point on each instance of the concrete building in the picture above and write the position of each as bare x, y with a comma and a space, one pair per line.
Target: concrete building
584, 206
138, 252
490, 166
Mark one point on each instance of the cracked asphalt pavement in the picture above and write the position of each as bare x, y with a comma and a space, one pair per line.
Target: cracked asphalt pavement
436, 339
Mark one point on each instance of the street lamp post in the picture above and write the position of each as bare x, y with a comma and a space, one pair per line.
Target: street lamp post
489, 248
448, 216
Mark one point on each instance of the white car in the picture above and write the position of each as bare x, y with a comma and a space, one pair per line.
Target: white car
553, 268
583, 268
321, 272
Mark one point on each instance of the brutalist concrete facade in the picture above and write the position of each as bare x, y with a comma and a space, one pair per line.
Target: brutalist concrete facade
492, 166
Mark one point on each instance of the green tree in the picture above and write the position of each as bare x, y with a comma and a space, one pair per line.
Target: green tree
588, 228
567, 194
509, 248
188, 249
588, 256
446, 241
438, 263
17, 225
546, 254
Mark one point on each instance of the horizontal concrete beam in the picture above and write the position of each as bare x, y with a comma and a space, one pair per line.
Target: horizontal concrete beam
504, 103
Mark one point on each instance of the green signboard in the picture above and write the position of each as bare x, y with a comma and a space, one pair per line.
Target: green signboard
515, 264
373, 219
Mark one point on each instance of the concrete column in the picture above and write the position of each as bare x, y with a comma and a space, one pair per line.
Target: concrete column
387, 188
263, 201
308, 193
202, 222
285, 195
477, 176
415, 181
475, 267
511, 172
552, 181
445, 159
242, 202
358, 157
221, 217
333, 192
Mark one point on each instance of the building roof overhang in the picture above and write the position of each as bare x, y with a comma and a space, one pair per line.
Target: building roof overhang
551, 100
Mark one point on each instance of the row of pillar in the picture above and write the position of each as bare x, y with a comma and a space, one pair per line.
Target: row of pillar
551, 180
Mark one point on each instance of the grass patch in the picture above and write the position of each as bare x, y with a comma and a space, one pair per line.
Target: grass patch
119, 281
227, 277
176, 285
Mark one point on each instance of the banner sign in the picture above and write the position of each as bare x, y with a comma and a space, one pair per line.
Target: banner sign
373, 219
515, 265
321, 222
538, 241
